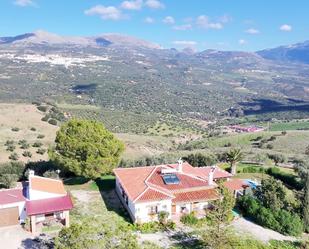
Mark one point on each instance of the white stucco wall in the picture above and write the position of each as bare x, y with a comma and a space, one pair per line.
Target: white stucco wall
141, 209
21, 209
189, 207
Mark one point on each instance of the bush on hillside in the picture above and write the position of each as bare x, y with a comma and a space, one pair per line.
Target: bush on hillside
14, 156
280, 220
52, 121
42, 108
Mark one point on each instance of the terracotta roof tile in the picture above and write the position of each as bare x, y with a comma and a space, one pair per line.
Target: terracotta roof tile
185, 181
136, 180
192, 196
152, 195
235, 184
46, 185
218, 173
133, 179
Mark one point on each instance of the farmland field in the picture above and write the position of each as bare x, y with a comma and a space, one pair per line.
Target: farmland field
25, 119
292, 125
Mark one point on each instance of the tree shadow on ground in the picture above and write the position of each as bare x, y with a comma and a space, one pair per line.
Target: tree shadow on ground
78, 180
36, 244
106, 186
185, 240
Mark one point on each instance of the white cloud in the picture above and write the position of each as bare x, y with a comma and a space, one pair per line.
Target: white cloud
183, 27
185, 43
154, 4
252, 31
169, 20
24, 3
106, 13
132, 5
225, 19
242, 42
286, 28
149, 20
203, 22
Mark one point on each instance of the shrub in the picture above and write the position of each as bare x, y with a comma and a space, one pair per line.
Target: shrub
16, 168
42, 108
279, 220
8, 180
149, 227
37, 144
11, 147
270, 146
253, 169
15, 129
33, 129
45, 118
52, 121
288, 179
9, 142
27, 153
41, 151
40, 136
189, 219
199, 159
283, 133
162, 217
277, 158
272, 138
24, 146
14, 156
51, 174
36, 103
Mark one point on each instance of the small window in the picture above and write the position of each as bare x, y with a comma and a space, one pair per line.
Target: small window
152, 209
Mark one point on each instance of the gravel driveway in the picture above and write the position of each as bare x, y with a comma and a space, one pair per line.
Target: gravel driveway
15, 237
244, 226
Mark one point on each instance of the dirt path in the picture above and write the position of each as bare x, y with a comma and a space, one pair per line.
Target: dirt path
244, 226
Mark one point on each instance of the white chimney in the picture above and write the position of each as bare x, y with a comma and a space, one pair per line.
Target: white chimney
179, 167
211, 175
31, 173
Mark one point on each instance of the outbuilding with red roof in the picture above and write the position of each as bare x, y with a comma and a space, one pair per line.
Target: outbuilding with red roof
40, 200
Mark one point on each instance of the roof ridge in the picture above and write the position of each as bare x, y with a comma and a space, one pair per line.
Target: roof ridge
47, 178
141, 194
138, 167
10, 189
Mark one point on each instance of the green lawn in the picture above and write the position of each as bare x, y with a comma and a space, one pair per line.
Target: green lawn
292, 125
106, 182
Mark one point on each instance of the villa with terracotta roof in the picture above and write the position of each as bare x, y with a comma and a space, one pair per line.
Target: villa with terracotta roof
174, 188
40, 200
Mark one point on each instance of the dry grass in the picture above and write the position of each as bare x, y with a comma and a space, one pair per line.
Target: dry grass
24, 117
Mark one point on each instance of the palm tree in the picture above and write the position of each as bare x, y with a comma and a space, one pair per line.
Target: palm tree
233, 157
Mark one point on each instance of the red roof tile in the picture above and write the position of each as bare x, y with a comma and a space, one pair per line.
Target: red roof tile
152, 195
235, 184
49, 205
185, 181
192, 196
133, 179
9, 196
136, 180
218, 173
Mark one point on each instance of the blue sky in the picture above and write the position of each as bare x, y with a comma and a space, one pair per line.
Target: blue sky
201, 24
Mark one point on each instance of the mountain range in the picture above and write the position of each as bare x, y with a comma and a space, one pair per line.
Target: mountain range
124, 73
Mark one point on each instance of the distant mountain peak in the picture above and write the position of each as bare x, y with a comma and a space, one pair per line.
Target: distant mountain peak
44, 37
298, 52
